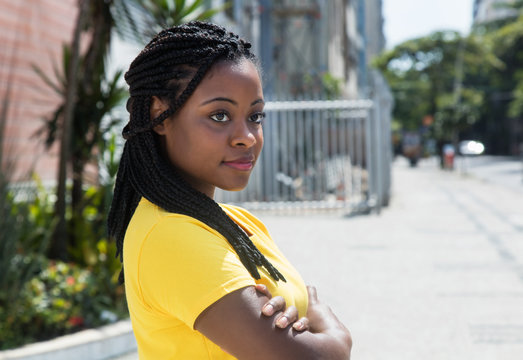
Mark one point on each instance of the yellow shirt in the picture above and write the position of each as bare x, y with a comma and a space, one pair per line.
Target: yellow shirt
176, 267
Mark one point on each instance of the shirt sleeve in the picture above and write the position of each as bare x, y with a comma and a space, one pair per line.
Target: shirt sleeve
186, 266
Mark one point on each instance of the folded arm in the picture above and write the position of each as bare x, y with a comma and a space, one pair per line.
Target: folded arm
237, 325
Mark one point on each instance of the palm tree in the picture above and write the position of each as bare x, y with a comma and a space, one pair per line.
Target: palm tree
140, 20
88, 95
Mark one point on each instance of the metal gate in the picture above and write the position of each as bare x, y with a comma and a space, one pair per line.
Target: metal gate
317, 155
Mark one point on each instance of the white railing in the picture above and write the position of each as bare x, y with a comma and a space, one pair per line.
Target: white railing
320, 154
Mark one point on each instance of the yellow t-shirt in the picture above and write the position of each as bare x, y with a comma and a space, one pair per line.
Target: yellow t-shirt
176, 267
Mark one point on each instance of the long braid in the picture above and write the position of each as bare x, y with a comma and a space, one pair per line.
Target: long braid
170, 67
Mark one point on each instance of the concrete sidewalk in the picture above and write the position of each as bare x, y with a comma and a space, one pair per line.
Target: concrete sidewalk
506, 171
438, 275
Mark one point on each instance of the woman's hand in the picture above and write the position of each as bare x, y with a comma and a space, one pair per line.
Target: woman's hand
287, 316
239, 325
323, 320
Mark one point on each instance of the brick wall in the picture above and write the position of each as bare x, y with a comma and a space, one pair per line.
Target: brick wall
32, 33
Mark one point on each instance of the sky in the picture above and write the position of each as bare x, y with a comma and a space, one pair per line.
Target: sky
407, 19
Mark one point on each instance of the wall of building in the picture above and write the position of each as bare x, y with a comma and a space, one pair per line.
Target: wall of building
301, 40
374, 37
32, 35
489, 10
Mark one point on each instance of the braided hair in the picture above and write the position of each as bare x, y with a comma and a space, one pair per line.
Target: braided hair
170, 67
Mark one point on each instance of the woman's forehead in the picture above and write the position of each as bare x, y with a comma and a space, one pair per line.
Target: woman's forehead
242, 65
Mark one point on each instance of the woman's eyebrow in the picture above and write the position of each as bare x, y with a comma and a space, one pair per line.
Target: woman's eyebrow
258, 101
219, 99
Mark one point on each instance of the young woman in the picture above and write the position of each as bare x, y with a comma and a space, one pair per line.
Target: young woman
198, 274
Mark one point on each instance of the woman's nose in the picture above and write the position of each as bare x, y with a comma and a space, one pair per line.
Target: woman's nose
242, 135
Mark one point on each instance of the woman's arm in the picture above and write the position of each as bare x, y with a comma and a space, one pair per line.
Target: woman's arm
237, 325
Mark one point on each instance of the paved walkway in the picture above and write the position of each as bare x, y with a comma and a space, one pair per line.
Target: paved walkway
499, 170
437, 275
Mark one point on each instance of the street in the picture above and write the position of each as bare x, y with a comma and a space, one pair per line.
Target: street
437, 275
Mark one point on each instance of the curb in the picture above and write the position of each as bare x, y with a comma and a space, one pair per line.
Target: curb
93, 344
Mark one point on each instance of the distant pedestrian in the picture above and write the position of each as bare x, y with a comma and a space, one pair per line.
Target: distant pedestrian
199, 275
448, 156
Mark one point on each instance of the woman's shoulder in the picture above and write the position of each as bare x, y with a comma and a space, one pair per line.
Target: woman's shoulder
235, 209
239, 214
148, 216
245, 219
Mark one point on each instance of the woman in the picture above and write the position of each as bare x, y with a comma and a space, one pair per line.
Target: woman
197, 274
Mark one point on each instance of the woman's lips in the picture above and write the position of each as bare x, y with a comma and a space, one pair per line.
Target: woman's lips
240, 164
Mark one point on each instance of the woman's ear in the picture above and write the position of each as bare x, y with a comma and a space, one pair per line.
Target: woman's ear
158, 106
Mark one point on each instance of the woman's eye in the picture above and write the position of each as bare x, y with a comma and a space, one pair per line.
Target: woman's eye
220, 117
257, 118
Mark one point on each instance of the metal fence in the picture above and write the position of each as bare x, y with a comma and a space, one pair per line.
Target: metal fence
320, 155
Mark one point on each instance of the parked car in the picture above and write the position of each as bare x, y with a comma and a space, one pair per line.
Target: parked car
470, 148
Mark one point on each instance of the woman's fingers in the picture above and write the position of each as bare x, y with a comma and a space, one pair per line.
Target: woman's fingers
289, 316
313, 296
274, 305
301, 325
263, 290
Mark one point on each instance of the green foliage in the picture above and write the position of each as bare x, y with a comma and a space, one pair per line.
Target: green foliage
97, 97
508, 45
59, 299
22, 246
331, 85
457, 114
505, 83
140, 20
441, 75
325, 84
40, 299
94, 106
470, 85
516, 106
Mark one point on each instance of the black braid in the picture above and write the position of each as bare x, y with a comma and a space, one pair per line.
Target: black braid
177, 58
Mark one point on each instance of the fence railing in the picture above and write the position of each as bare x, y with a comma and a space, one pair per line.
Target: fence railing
320, 155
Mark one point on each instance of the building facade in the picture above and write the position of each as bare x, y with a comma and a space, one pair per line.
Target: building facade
490, 10
308, 46
32, 36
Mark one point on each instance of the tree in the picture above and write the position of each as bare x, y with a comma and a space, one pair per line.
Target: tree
441, 77
508, 40
89, 95
504, 93
140, 20
58, 247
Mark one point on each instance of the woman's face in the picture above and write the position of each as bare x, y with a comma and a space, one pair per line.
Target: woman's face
215, 139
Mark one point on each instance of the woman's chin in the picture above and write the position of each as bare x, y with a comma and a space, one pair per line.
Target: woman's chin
238, 187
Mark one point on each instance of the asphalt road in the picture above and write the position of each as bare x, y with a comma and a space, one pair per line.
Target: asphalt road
437, 275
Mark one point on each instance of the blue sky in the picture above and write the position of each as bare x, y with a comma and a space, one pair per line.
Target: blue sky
406, 19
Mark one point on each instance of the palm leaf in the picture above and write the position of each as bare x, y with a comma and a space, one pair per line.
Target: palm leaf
47, 80
186, 10
207, 14
179, 5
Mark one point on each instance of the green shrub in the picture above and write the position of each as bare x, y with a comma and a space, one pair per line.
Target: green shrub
41, 299
20, 260
61, 299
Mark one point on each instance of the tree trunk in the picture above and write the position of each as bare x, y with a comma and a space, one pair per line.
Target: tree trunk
58, 247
